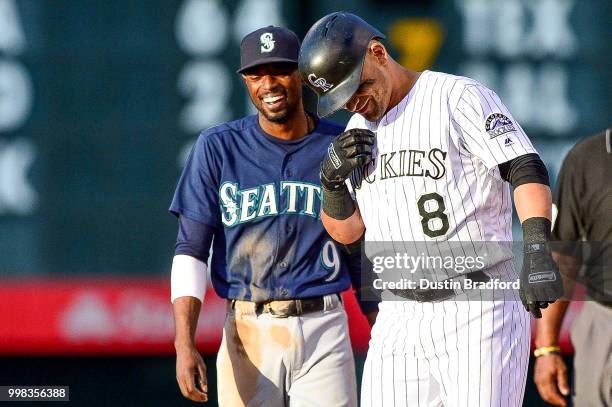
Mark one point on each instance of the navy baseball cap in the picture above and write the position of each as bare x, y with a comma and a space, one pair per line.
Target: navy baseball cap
268, 45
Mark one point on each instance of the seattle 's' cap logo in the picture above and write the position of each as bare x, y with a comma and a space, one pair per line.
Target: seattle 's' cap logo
267, 42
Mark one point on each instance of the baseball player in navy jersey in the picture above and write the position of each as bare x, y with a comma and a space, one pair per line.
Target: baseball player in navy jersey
254, 185
433, 163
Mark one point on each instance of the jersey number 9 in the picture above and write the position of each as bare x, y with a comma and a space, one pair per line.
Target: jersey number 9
330, 259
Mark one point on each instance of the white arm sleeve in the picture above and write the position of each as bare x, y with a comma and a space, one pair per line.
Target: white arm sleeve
188, 277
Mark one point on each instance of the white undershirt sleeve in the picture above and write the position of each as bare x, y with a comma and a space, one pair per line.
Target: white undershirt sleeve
188, 277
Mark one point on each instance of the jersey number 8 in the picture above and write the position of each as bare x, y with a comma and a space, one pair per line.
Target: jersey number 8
431, 226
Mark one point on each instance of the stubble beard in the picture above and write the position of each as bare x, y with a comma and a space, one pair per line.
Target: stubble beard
279, 117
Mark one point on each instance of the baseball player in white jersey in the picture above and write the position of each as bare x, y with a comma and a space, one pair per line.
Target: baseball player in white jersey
429, 164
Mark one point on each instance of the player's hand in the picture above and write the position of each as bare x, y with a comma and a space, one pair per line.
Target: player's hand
349, 150
551, 379
191, 374
541, 282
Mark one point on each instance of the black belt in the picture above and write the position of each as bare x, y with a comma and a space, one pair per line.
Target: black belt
433, 295
287, 308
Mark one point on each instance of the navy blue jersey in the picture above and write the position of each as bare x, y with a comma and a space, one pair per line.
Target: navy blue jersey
263, 197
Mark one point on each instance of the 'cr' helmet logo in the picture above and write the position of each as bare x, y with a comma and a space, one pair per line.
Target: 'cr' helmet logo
267, 42
319, 82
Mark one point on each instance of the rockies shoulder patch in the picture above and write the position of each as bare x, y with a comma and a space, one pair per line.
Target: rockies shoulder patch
498, 124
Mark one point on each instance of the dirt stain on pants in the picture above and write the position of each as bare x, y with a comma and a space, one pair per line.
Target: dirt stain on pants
240, 361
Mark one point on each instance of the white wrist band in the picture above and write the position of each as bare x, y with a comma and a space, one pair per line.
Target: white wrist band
188, 277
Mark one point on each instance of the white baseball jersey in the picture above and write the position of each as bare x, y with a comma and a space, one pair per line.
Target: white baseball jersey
434, 174
435, 178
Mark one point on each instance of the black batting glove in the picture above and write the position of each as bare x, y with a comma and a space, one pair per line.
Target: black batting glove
349, 150
541, 282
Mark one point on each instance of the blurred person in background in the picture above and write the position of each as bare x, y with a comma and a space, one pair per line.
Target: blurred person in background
583, 207
253, 184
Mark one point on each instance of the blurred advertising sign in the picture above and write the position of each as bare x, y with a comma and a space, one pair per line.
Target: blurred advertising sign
107, 316
101, 316
117, 316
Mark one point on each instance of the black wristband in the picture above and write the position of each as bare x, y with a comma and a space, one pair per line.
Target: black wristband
331, 185
338, 203
536, 230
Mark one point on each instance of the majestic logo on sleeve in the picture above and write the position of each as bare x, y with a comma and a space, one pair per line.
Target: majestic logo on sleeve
319, 82
267, 42
498, 124
246, 205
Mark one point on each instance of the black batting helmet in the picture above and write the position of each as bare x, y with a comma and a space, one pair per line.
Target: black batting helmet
331, 58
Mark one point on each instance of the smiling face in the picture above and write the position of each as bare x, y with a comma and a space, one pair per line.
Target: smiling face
275, 90
372, 98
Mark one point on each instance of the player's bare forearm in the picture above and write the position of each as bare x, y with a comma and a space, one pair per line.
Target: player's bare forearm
550, 371
344, 231
569, 266
186, 312
190, 367
549, 326
533, 200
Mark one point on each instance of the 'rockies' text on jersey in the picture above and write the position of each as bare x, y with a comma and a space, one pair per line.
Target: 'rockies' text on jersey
263, 196
434, 167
